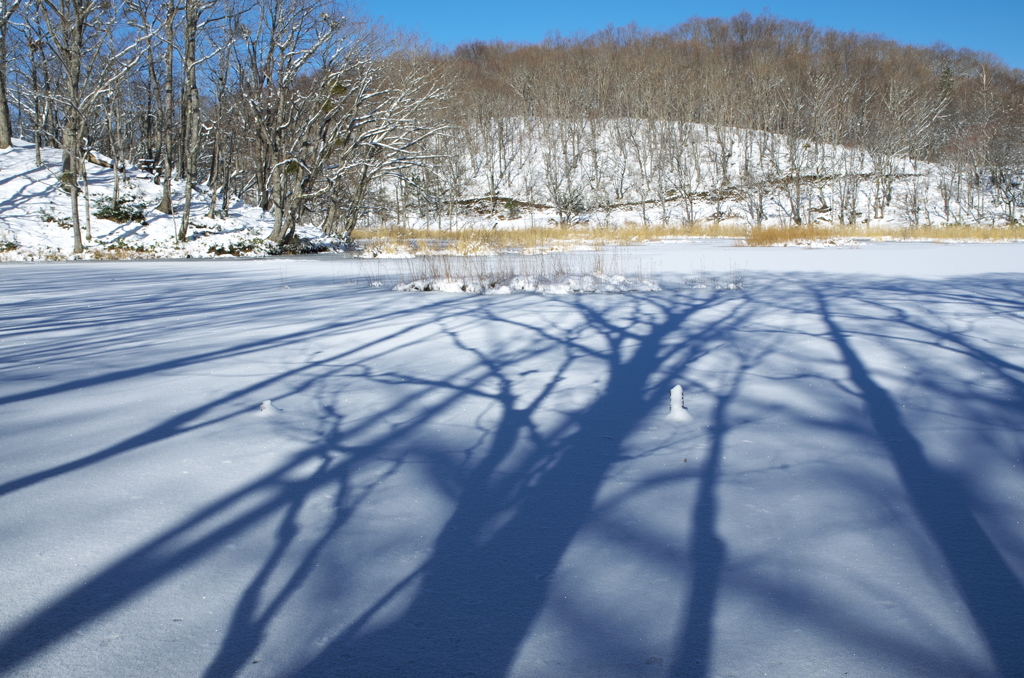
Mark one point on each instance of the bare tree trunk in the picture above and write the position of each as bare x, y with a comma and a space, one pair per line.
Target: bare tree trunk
71, 177
37, 108
7, 10
214, 173
116, 143
88, 212
71, 19
191, 110
5, 110
166, 205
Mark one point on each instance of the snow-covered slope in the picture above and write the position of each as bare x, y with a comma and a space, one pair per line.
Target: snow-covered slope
35, 216
600, 173
609, 172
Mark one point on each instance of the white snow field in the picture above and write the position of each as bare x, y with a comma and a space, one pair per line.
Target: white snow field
36, 213
456, 485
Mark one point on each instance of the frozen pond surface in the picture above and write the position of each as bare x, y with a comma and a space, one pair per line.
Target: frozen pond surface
459, 485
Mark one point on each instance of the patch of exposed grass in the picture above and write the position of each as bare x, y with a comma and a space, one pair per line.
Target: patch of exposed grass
241, 247
764, 236
124, 210
300, 246
397, 240
408, 241
965, 232
800, 234
120, 249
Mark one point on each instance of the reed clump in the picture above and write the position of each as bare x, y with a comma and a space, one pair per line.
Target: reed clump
767, 236
470, 241
562, 237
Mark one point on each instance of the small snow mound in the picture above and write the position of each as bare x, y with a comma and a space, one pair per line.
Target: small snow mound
818, 244
267, 409
676, 411
585, 284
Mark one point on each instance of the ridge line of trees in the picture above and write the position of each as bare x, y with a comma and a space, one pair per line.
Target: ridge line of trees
319, 116
752, 110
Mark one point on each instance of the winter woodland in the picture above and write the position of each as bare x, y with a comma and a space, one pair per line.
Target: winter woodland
326, 120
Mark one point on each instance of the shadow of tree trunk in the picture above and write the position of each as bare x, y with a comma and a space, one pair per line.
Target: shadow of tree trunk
989, 588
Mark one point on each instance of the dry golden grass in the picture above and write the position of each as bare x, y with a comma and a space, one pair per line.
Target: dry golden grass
479, 241
765, 236
114, 253
539, 239
776, 235
965, 232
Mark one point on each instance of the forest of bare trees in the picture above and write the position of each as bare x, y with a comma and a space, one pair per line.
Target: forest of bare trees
294, 105
321, 117
751, 112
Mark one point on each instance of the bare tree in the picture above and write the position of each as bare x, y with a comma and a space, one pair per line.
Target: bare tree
92, 54
7, 10
171, 8
191, 113
386, 115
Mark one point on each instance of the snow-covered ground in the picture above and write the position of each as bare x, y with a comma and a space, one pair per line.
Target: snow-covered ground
35, 211
466, 485
609, 172
35, 216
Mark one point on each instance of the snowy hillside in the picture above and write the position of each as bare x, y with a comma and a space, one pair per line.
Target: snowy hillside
594, 174
516, 173
35, 216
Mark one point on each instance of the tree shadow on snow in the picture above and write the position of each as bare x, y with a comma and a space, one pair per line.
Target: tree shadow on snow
528, 480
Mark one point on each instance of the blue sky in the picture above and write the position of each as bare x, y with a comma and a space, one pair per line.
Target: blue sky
995, 26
